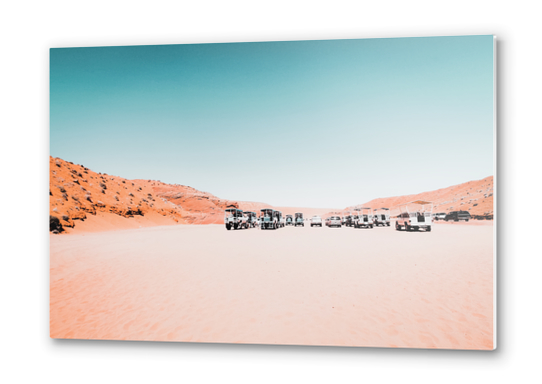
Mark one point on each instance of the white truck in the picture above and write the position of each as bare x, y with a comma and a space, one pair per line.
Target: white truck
363, 218
316, 221
382, 217
414, 216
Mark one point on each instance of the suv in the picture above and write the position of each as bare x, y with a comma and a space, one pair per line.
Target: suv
335, 221
458, 215
316, 220
439, 216
414, 216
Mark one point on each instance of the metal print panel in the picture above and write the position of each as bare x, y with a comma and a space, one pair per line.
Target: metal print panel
335, 193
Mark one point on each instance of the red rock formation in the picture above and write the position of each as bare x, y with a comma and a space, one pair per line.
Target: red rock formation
474, 196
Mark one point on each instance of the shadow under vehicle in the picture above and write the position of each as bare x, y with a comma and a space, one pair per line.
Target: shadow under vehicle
269, 219
299, 219
252, 219
235, 219
414, 216
382, 217
289, 220
458, 215
363, 218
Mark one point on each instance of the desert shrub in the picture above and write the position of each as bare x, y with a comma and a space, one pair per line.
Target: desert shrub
54, 224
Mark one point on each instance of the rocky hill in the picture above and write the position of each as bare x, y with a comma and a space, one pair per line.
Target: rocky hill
475, 197
75, 192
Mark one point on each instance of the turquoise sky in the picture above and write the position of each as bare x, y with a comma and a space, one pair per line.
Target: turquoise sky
305, 123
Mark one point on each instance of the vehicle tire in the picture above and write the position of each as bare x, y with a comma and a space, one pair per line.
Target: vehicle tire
407, 227
228, 227
371, 226
428, 229
235, 226
397, 226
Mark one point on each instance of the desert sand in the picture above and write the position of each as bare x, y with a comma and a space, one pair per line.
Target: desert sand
313, 286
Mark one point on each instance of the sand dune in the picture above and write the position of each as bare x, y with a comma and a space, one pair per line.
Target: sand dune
316, 286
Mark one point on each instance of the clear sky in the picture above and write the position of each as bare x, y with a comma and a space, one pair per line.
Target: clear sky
306, 123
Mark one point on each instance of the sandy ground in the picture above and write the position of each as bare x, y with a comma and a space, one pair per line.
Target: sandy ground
312, 286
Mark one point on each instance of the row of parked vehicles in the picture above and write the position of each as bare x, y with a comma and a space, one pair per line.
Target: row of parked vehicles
413, 216
235, 218
362, 217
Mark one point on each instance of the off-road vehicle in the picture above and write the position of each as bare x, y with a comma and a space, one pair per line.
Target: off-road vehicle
268, 219
458, 215
414, 216
252, 219
382, 217
316, 221
299, 219
234, 219
335, 221
363, 218
289, 220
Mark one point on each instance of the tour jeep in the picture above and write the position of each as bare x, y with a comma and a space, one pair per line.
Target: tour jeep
252, 219
234, 218
268, 219
282, 220
299, 219
382, 217
289, 220
414, 216
365, 219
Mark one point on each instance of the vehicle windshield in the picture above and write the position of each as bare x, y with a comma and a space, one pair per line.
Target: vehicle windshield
233, 212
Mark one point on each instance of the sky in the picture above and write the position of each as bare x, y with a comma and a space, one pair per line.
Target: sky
329, 123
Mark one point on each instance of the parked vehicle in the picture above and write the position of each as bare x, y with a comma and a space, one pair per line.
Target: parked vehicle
363, 218
348, 219
335, 221
252, 219
316, 221
382, 217
235, 219
414, 216
289, 220
458, 215
282, 220
299, 219
439, 216
269, 219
